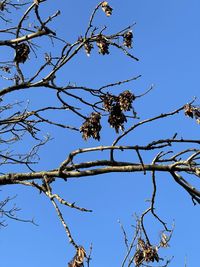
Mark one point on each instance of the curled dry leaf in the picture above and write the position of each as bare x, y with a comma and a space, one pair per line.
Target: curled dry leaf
128, 39
106, 8
164, 241
78, 259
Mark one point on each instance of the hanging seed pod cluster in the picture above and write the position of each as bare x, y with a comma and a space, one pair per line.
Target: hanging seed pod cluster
145, 253
78, 259
192, 112
102, 44
22, 52
102, 41
125, 100
91, 127
117, 118
116, 106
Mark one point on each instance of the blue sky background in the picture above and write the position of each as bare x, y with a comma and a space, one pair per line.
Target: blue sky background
166, 40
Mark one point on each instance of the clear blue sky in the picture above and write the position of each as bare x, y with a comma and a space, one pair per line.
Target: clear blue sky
167, 41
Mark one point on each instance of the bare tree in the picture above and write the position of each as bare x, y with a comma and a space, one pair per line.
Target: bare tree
20, 121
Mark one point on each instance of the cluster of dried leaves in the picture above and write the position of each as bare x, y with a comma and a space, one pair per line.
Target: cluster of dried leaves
115, 105
78, 259
22, 51
102, 42
145, 253
128, 39
192, 112
91, 127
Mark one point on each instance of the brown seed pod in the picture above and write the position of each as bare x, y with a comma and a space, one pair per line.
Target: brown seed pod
145, 252
91, 127
117, 118
125, 100
22, 52
88, 47
107, 9
102, 44
108, 101
189, 110
128, 39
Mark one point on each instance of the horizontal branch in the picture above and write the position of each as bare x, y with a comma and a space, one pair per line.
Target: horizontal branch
14, 178
24, 38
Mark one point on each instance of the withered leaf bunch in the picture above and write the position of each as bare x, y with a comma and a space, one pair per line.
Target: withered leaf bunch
115, 105
192, 112
88, 47
109, 101
106, 8
145, 252
125, 100
117, 118
102, 44
22, 52
91, 127
78, 259
128, 39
